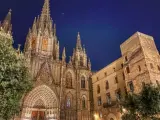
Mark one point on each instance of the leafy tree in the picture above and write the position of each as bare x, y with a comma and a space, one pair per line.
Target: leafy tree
14, 79
142, 106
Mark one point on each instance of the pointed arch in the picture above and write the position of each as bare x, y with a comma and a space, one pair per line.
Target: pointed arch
69, 100
42, 94
83, 82
84, 102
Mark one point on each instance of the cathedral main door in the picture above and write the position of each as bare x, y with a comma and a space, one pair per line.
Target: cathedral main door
38, 115
40, 104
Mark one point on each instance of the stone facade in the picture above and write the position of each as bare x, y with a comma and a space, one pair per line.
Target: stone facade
61, 89
69, 90
139, 64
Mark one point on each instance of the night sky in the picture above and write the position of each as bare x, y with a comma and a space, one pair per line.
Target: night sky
103, 24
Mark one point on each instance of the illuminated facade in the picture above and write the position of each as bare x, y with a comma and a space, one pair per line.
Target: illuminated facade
61, 89
139, 64
69, 90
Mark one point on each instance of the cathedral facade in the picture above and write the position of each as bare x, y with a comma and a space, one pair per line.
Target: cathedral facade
61, 89
69, 90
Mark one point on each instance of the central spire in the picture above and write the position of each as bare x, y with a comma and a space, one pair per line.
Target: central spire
45, 18
46, 10
78, 45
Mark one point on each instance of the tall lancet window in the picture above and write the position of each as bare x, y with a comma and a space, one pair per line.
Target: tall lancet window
81, 61
44, 44
69, 80
68, 104
83, 103
83, 84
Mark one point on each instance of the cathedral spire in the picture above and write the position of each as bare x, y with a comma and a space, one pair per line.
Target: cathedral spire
54, 30
34, 27
6, 25
64, 55
78, 45
45, 15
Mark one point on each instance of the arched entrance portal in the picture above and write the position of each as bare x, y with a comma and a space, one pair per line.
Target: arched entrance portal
40, 104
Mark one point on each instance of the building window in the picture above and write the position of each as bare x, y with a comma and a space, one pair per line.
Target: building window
107, 85
69, 80
68, 104
105, 73
99, 101
151, 65
118, 94
108, 98
114, 69
131, 87
97, 78
98, 89
157, 82
83, 82
122, 65
116, 79
126, 59
158, 67
83, 103
125, 90
139, 68
123, 76
127, 69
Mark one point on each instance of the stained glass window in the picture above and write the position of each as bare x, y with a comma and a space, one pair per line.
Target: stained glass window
83, 103
68, 102
83, 82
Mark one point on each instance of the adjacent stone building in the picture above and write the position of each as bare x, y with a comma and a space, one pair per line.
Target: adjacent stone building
139, 64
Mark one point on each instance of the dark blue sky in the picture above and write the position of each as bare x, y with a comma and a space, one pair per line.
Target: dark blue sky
103, 24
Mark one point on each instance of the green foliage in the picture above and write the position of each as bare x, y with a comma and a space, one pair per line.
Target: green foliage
14, 79
142, 106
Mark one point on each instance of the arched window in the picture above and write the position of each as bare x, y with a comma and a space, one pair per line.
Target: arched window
83, 103
68, 102
128, 70
83, 84
107, 85
69, 80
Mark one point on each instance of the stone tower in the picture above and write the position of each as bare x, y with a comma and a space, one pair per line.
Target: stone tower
141, 61
61, 89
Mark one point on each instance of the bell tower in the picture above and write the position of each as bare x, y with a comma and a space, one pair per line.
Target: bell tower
41, 39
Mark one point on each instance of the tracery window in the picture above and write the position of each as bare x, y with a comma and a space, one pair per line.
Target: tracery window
69, 80
83, 103
83, 84
68, 103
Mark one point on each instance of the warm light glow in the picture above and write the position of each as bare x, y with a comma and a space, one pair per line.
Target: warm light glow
124, 110
96, 116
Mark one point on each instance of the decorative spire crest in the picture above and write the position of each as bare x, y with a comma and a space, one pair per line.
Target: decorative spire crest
45, 15
64, 55
78, 45
6, 25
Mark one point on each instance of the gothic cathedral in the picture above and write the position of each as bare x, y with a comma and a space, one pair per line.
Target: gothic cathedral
61, 89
